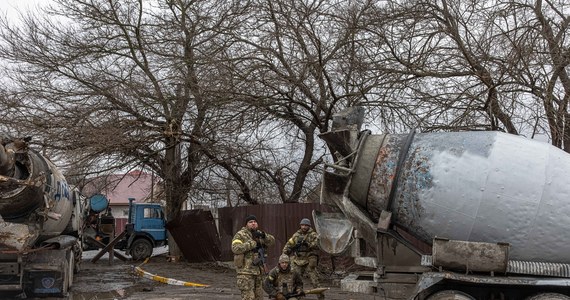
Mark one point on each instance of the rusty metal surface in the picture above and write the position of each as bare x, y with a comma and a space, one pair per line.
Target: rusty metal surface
470, 256
20, 195
427, 180
281, 220
16, 237
472, 186
196, 235
480, 186
41, 199
384, 173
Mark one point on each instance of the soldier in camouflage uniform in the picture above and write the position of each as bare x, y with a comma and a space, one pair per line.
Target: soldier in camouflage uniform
303, 245
246, 246
281, 281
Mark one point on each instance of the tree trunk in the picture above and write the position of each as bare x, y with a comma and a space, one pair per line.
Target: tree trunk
173, 249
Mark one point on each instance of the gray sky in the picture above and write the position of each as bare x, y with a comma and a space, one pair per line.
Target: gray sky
11, 7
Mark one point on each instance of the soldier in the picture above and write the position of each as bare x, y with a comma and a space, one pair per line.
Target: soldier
249, 246
282, 282
303, 245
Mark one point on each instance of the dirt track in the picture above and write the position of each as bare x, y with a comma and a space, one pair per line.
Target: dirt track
119, 281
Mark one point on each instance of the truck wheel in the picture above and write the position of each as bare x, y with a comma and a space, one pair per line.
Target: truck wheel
548, 296
450, 295
141, 249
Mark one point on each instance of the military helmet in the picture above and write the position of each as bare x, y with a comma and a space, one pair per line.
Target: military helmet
284, 258
305, 221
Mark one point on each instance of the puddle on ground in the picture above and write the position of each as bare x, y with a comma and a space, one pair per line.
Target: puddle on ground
114, 294
118, 285
79, 295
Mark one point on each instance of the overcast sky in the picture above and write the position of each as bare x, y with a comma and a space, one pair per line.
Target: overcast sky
11, 7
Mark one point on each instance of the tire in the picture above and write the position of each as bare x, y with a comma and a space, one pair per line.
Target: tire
548, 296
450, 295
141, 248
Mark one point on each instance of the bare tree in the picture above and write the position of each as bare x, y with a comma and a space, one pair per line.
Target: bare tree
438, 62
540, 52
122, 84
299, 67
224, 100
475, 64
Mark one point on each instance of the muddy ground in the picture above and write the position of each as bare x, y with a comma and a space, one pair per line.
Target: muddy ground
102, 280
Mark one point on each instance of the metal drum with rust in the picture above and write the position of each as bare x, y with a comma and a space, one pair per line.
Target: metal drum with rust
473, 186
35, 200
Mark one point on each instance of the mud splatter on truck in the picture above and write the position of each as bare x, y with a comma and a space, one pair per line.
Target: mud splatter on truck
456, 215
40, 223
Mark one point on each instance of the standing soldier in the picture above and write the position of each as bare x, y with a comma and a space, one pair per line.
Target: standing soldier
303, 245
282, 283
249, 246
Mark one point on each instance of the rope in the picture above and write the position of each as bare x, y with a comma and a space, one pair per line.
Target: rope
170, 281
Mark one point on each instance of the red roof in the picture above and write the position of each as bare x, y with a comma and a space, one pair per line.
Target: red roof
118, 188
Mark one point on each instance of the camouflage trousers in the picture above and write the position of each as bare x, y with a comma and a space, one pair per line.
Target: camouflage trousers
250, 286
311, 270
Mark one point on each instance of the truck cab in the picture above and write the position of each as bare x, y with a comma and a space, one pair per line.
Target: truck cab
145, 229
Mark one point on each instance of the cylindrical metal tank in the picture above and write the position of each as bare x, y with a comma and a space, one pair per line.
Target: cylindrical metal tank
35, 200
472, 186
98, 203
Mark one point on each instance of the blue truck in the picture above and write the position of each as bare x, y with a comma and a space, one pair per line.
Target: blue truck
145, 228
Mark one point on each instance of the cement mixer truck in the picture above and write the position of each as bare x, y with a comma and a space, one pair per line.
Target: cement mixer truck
454, 215
40, 223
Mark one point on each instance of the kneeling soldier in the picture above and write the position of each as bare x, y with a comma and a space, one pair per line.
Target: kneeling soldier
283, 283
304, 248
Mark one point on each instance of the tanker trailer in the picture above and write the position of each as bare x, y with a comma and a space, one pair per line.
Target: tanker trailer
454, 215
40, 222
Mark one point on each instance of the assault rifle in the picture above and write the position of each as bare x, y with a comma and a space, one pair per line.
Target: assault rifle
261, 261
300, 246
260, 249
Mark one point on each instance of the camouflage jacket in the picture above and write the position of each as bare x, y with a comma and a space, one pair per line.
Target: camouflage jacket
284, 281
245, 251
309, 245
